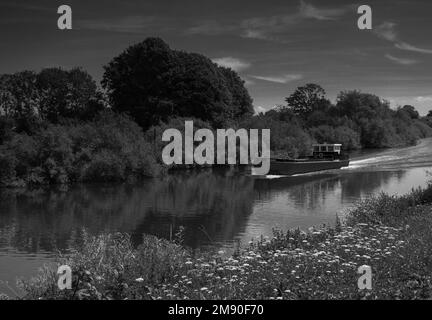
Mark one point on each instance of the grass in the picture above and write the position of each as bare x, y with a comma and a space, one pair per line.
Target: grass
390, 234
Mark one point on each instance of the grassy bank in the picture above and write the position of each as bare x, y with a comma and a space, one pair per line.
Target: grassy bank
390, 234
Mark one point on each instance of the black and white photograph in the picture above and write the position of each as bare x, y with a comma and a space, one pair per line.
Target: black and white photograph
215, 155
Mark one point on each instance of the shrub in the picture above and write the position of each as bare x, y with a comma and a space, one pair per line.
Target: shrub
341, 134
7, 167
110, 148
109, 267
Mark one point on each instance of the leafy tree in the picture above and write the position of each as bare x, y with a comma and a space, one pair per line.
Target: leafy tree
29, 97
306, 99
287, 139
410, 111
357, 105
68, 94
241, 101
153, 83
111, 147
20, 99
349, 138
429, 115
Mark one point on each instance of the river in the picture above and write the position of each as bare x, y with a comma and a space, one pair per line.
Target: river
215, 207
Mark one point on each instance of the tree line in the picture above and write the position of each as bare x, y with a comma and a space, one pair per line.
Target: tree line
59, 126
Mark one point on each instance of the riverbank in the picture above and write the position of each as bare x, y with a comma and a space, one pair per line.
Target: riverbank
390, 234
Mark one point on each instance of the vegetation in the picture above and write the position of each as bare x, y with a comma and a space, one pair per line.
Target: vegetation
153, 83
109, 148
55, 128
29, 98
390, 234
357, 120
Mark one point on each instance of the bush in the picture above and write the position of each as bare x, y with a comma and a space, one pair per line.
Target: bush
109, 267
388, 209
341, 134
110, 148
7, 167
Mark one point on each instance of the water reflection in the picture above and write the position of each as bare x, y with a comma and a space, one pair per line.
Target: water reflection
214, 206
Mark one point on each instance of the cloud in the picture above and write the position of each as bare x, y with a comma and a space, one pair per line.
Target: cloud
271, 27
402, 61
310, 11
423, 99
386, 31
233, 63
248, 82
259, 109
212, 28
279, 79
408, 47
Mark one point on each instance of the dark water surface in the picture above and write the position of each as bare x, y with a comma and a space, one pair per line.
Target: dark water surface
216, 207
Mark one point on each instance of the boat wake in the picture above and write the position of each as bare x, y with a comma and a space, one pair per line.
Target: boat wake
416, 156
371, 161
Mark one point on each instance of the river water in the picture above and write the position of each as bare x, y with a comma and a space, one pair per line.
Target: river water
215, 207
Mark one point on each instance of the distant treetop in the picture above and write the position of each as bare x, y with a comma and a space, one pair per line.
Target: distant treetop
154, 83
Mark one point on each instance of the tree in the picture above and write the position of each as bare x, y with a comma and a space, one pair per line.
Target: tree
20, 99
358, 105
306, 99
429, 115
52, 94
68, 94
154, 83
241, 101
410, 111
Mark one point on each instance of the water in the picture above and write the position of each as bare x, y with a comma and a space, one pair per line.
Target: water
216, 207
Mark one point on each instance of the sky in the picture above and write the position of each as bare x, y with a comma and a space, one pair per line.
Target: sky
275, 45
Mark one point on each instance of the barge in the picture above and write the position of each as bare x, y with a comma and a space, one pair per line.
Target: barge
324, 156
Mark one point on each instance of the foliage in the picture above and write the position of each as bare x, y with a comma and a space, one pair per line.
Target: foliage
68, 94
357, 120
307, 99
286, 137
154, 134
108, 267
409, 110
153, 83
349, 138
29, 98
110, 148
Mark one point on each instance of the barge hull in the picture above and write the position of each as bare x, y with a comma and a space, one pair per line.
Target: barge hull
292, 167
